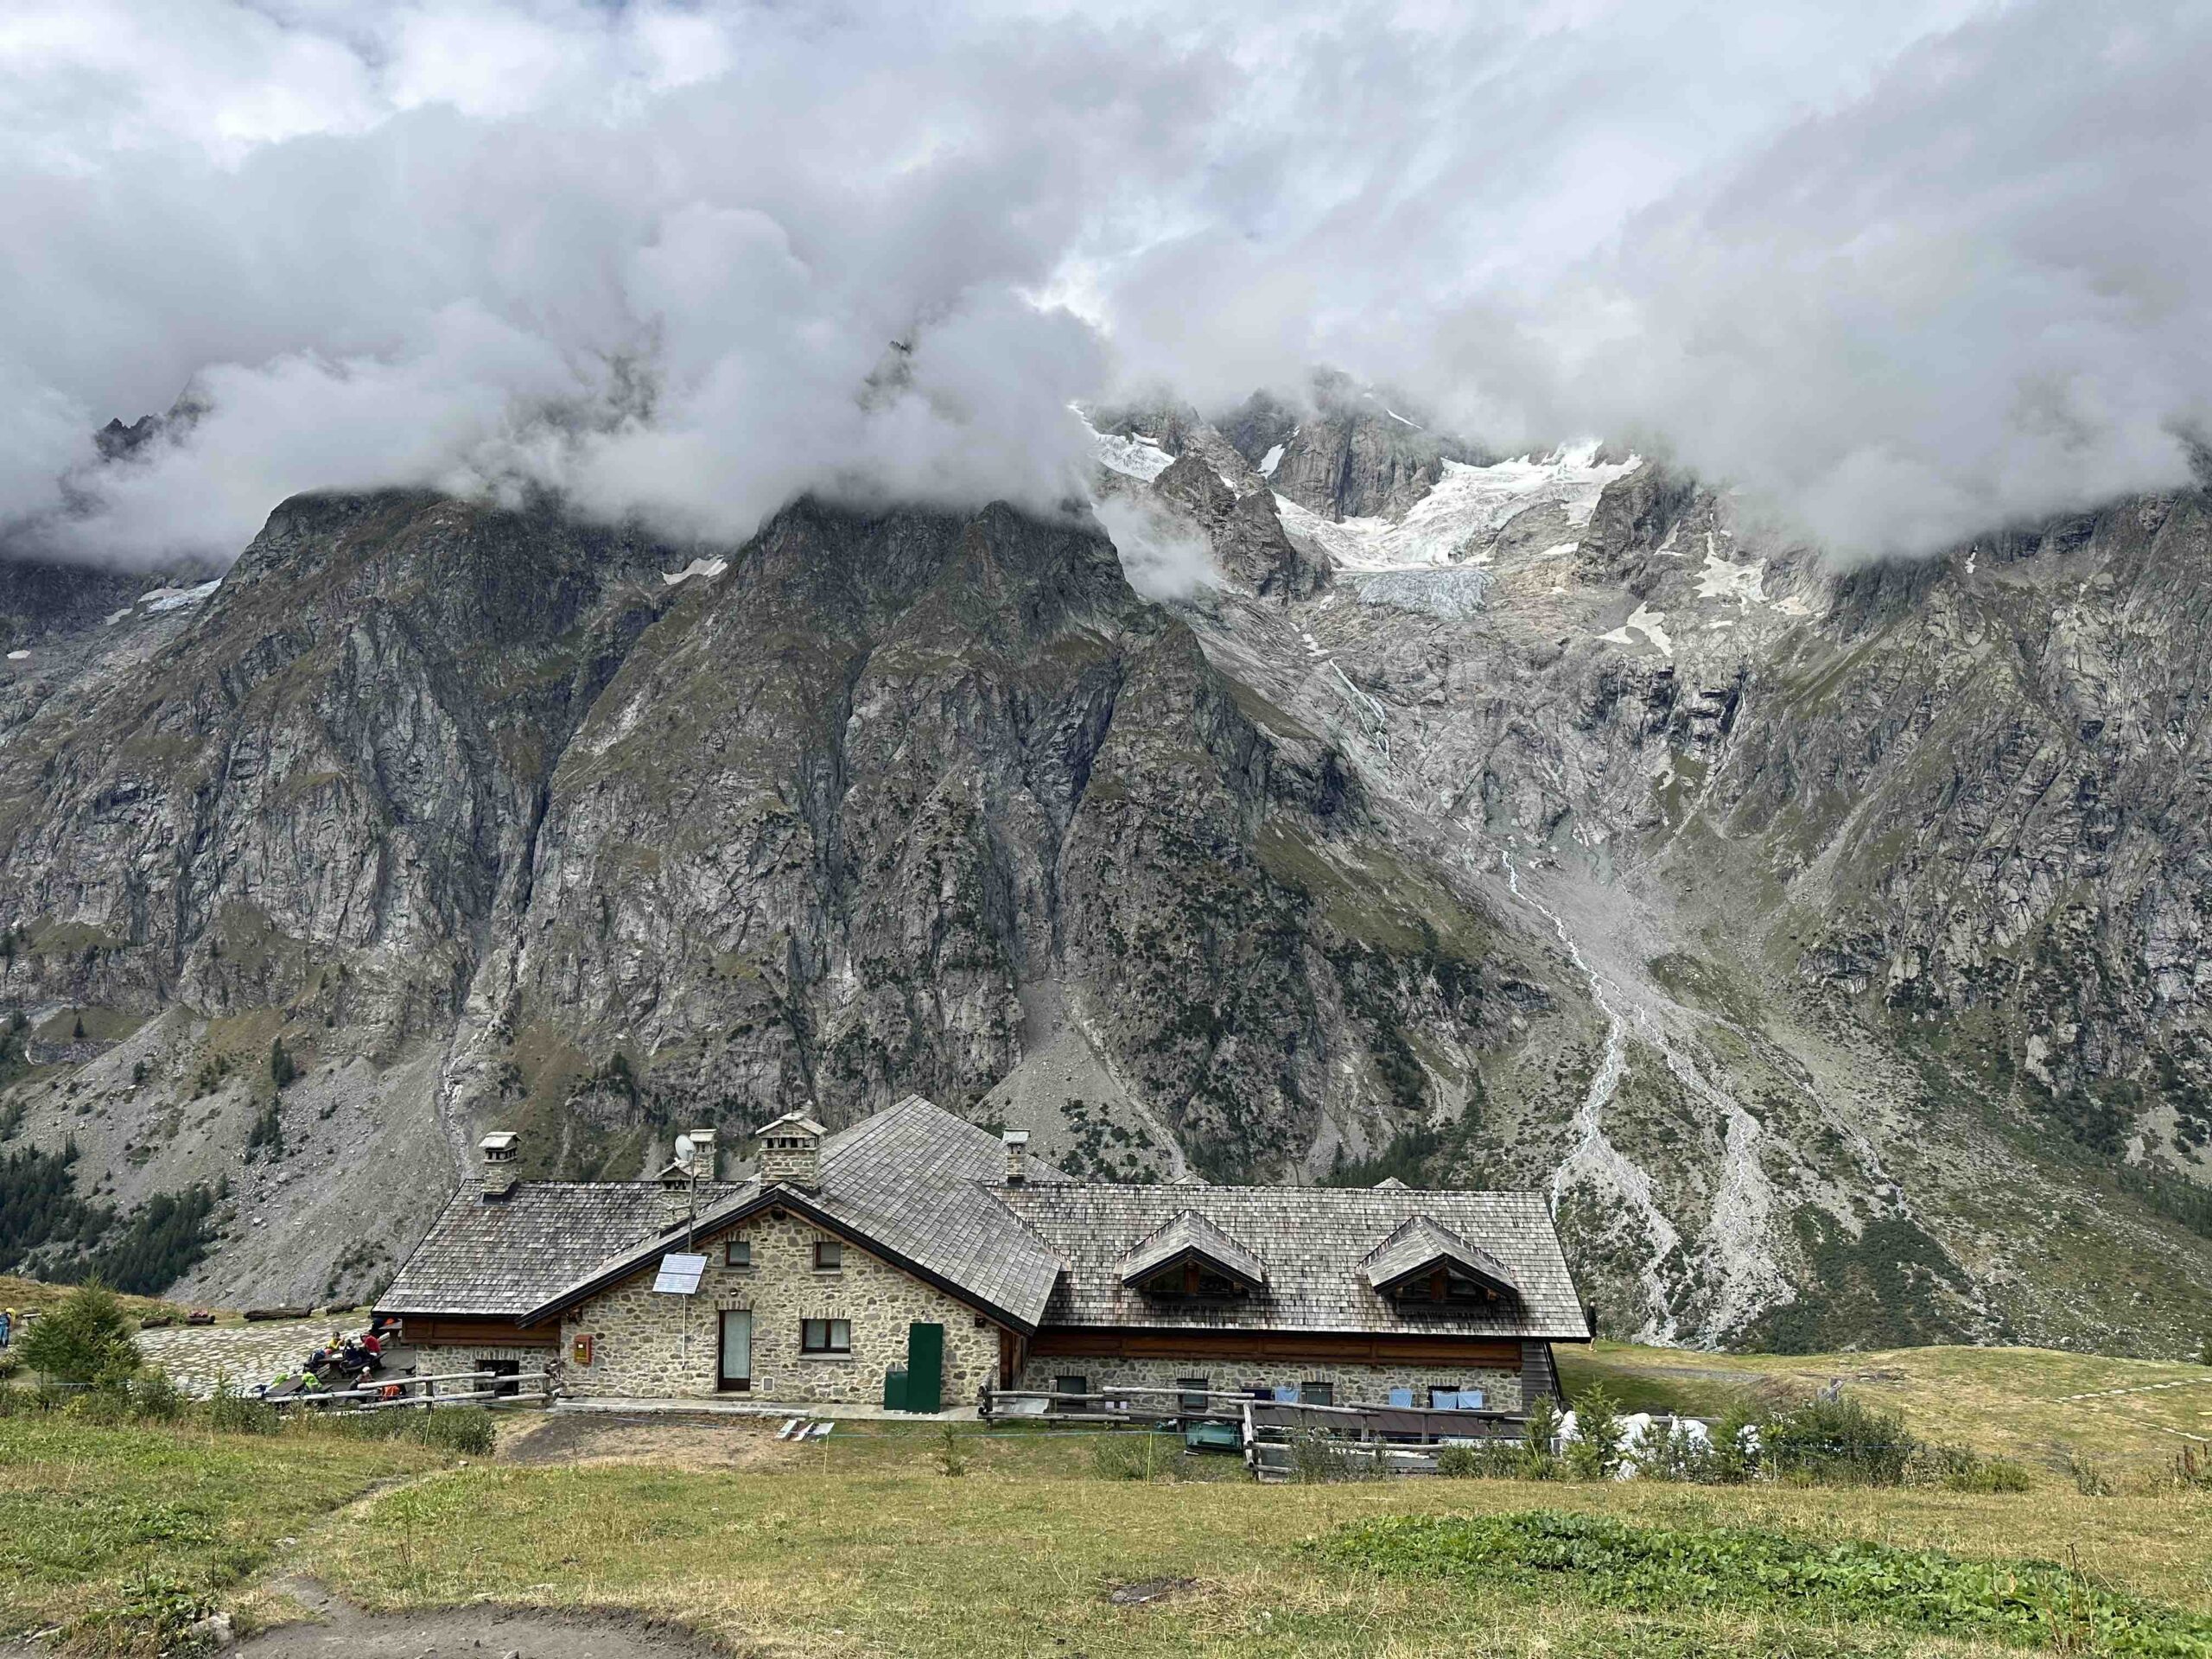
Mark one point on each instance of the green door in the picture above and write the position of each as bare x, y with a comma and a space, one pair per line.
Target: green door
924, 1367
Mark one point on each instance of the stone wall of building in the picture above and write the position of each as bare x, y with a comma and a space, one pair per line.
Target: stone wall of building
1361, 1385
649, 1345
447, 1359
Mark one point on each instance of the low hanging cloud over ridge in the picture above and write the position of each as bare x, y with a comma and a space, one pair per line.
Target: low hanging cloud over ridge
1903, 275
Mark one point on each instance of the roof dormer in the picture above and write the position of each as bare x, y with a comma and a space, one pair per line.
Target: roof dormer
1188, 1256
1421, 1261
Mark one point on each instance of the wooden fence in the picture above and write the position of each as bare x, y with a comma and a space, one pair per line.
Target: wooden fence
397, 1393
1271, 1434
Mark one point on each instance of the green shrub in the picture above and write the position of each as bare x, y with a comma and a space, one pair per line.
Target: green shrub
1498, 1460
1137, 1455
1316, 1459
1540, 1439
951, 1455
155, 1398
162, 1608
1996, 1475
2087, 1474
232, 1413
1735, 1446
85, 1340
1837, 1441
1676, 1454
1961, 1469
467, 1430
1817, 1580
2192, 1470
267, 1134
104, 1408
1594, 1453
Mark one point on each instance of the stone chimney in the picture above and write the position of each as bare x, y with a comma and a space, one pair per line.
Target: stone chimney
790, 1152
501, 1151
702, 1154
1016, 1142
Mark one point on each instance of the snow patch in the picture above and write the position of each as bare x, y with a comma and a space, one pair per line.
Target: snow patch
708, 568
1459, 520
1651, 624
170, 598
1720, 578
1131, 457
1400, 419
114, 617
18, 656
1138, 455
1269, 462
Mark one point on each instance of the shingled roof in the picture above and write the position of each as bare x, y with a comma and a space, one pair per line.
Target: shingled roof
924, 1190
911, 1183
1190, 1234
1422, 1241
481, 1258
1314, 1242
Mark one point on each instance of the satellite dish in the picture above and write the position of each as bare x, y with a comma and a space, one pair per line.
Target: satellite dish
682, 1148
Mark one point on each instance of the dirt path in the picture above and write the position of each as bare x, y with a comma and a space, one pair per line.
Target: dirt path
613, 1437
339, 1631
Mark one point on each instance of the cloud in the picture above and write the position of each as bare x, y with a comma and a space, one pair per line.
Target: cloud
1899, 272
1161, 558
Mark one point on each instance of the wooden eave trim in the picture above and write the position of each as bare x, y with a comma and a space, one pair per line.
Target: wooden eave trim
1189, 1253
1450, 1263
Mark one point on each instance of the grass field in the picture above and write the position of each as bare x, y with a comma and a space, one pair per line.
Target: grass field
863, 1544
111, 1532
2002, 1402
818, 1563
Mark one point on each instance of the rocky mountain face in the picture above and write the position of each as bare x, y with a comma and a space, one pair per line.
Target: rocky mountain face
1827, 942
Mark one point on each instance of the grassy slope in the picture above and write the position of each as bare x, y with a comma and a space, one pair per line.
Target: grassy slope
35, 1296
817, 1562
2004, 1402
94, 1520
861, 1544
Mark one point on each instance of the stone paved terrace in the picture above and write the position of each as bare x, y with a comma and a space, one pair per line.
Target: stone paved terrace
195, 1356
